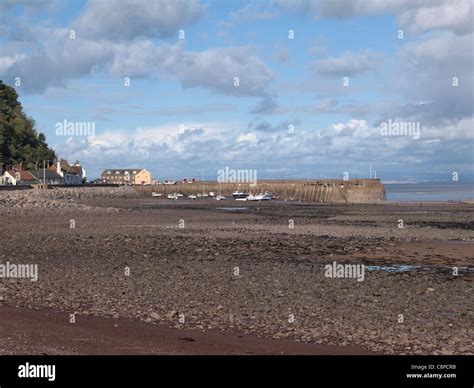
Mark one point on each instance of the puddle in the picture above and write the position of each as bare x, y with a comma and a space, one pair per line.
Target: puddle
408, 268
233, 209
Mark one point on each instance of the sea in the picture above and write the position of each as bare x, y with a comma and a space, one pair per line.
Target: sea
429, 192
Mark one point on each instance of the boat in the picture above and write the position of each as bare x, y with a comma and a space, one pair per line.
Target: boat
172, 196
220, 197
178, 194
153, 194
260, 197
212, 194
239, 194
265, 196
241, 199
192, 196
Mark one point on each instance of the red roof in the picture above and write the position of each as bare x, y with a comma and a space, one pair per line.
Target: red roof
22, 175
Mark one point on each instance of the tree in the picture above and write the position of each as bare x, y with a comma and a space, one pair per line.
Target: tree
19, 140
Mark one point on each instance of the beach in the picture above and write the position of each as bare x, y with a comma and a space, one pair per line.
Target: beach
227, 268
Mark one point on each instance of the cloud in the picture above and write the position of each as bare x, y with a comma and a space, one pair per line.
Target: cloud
253, 11
349, 64
265, 126
130, 19
428, 71
62, 59
219, 68
417, 16
266, 105
117, 37
343, 146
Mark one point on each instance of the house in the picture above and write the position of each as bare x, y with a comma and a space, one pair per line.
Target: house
48, 176
18, 178
72, 175
128, 176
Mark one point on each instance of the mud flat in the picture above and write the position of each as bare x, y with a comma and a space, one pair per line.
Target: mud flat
259, 271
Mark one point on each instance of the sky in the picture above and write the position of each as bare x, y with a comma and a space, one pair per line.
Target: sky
289, 88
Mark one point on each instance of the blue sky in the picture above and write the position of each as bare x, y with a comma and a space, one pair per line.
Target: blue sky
183, 114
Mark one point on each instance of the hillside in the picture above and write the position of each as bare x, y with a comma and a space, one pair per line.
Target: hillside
19, 141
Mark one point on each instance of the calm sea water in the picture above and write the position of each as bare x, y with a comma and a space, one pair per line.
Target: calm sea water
432, 191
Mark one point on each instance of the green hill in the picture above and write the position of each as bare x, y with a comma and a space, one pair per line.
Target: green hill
19, 141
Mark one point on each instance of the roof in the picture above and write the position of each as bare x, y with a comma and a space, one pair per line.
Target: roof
77, 169
66, 167
47, 174
22, 175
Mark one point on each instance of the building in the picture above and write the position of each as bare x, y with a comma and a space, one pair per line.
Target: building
128, 176
72, 175
18, 178
48, 176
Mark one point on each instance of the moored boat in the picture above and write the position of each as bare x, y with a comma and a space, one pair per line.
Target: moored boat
239, 194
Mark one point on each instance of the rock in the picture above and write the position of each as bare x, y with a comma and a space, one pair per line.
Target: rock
155, 316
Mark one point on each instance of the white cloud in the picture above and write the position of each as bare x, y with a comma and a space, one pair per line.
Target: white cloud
62, 59
247, 137
129, 19
415, 15
347, 146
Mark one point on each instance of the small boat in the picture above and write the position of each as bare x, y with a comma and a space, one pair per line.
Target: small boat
204, 195
220, 197
178, 194
192, 196
265, 196
241, 199
260, 197
172, 196
153, 194
212, 194
239, 194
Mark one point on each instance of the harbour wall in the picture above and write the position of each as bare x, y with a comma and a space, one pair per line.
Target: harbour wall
324, 191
